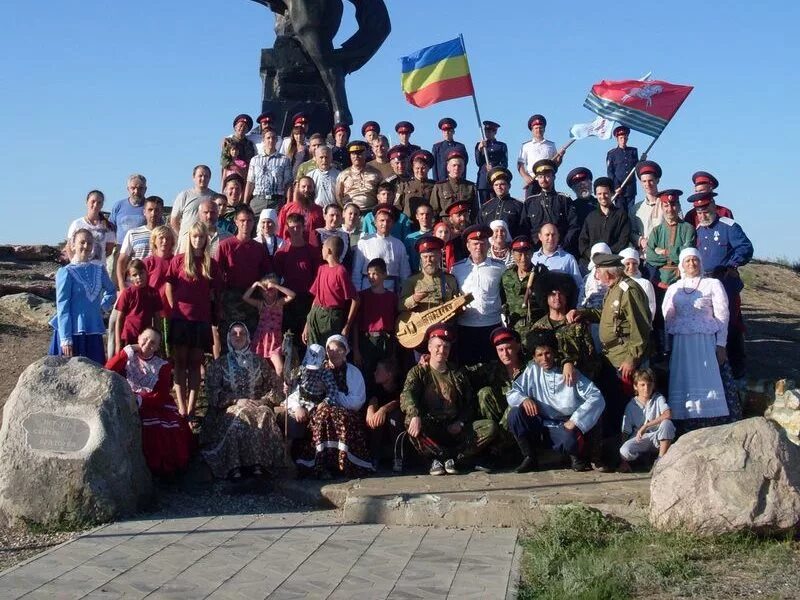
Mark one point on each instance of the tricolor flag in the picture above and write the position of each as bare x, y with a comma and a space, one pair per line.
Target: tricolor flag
436, 73
646, 106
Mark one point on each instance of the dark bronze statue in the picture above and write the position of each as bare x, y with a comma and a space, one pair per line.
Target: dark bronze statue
314, 24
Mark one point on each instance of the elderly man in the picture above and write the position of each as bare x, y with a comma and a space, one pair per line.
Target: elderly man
268, 177
647, 214
619, 162
479, 275
544, 405
553, 256
303, 204
439, 406
359, 182
187, 203
549, 206
441, 150
704, 181
324, 176
417, 189
127, 214
533, 151
381, 244
242, 262
723, 248
454, 188
579, 180
497, 152
431, 286
607, 223
315, 141
502, 206
137, 241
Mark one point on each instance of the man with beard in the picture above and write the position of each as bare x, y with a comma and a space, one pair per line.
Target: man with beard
607, 224
324, 177
432, 286
303, 204
441, 150
549, 206
619, 162
419, 187
579, 181
502, 206
704, 181
454, 187
498, 158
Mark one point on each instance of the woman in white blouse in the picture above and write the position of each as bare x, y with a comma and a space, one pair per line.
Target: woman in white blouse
696, 315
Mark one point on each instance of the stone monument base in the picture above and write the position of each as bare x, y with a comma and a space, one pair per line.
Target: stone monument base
70, 446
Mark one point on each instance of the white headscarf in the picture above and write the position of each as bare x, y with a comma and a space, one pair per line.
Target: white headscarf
269, 213
501, 223
598, 248
689, 252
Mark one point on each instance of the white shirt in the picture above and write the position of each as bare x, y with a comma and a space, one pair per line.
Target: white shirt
533, 151
325, 185
100, 235
136, 243
390, 249
482, 280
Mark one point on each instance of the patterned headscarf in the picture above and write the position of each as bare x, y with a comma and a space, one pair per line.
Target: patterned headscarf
242, 359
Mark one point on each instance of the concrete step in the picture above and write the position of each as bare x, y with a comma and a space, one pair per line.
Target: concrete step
474, 499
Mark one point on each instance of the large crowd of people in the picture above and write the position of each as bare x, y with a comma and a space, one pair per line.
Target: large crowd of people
601, 325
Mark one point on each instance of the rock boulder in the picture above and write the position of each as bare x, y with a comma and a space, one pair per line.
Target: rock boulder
743, 476
70, 446
29, 307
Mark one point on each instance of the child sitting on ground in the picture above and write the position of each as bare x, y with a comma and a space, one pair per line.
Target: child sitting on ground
646, 425
139, 306
384, 417
267, 338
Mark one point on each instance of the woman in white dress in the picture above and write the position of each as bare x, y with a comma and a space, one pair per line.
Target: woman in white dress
696, 315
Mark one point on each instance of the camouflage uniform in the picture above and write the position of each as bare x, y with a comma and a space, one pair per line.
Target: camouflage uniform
441, 399
575, 345
514, 308
493, 383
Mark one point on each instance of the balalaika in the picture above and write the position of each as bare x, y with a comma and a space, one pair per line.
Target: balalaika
411, 327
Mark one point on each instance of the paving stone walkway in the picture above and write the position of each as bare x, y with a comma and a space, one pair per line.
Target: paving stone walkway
285, 555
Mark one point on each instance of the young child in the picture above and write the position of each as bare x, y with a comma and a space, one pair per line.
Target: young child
373, 337
646, 425
236, 165
332, 290
139, 306
162, 248
384, 417
267, 338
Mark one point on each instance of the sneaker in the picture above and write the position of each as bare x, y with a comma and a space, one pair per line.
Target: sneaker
450, 467
437, 468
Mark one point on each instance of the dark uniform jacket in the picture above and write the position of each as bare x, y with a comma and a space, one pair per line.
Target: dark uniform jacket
440, 151
340, 158
619, 163
507, 209
558, 209
498, 157
614, 229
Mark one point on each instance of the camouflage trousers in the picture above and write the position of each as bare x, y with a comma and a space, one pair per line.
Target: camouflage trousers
493, 406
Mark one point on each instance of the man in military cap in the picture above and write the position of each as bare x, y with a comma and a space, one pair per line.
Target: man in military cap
549, 206
624, 334
723, 248
479, 275
533, 151
441, 150
515, 285
432, 286
502, 206
359, 182
398, 161
419, 187
246, 149
619, 162
607, 223
439, 407
579, 180
497, 152
705, 182
647, 214
457, 215
370, 132
381, 244
404, 129
455, 187
341, 138
544, 406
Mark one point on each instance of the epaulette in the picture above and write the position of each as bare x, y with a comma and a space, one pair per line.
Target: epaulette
727, 221
624, 286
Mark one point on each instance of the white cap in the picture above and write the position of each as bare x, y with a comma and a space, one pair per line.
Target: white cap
269, 213
598, 248
500, 223
630, 253
338, 339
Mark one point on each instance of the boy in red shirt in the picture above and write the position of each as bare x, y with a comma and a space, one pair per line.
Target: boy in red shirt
332, 290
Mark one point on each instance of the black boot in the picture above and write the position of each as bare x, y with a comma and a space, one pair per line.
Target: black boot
579, 464
529, 462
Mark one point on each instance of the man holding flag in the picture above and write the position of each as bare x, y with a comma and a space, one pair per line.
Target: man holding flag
619, 162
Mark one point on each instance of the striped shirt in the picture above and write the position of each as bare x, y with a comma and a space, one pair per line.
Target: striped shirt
270, 174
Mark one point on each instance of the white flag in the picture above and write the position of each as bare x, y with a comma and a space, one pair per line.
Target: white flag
600, 127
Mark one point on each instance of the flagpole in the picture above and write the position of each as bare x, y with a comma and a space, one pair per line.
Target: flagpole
475, 103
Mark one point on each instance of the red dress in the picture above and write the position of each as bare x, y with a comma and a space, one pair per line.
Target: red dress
166, 437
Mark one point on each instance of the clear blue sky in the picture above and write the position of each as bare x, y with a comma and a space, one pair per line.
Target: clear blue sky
95, 91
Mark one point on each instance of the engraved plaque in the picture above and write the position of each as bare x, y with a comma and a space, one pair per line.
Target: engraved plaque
52, 433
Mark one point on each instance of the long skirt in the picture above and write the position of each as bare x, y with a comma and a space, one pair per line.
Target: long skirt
243, 437
166, 438
338, 443
695, 384
88, 345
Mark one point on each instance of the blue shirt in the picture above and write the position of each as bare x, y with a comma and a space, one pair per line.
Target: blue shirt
723, 244
560, 261
125, 216
83, 292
